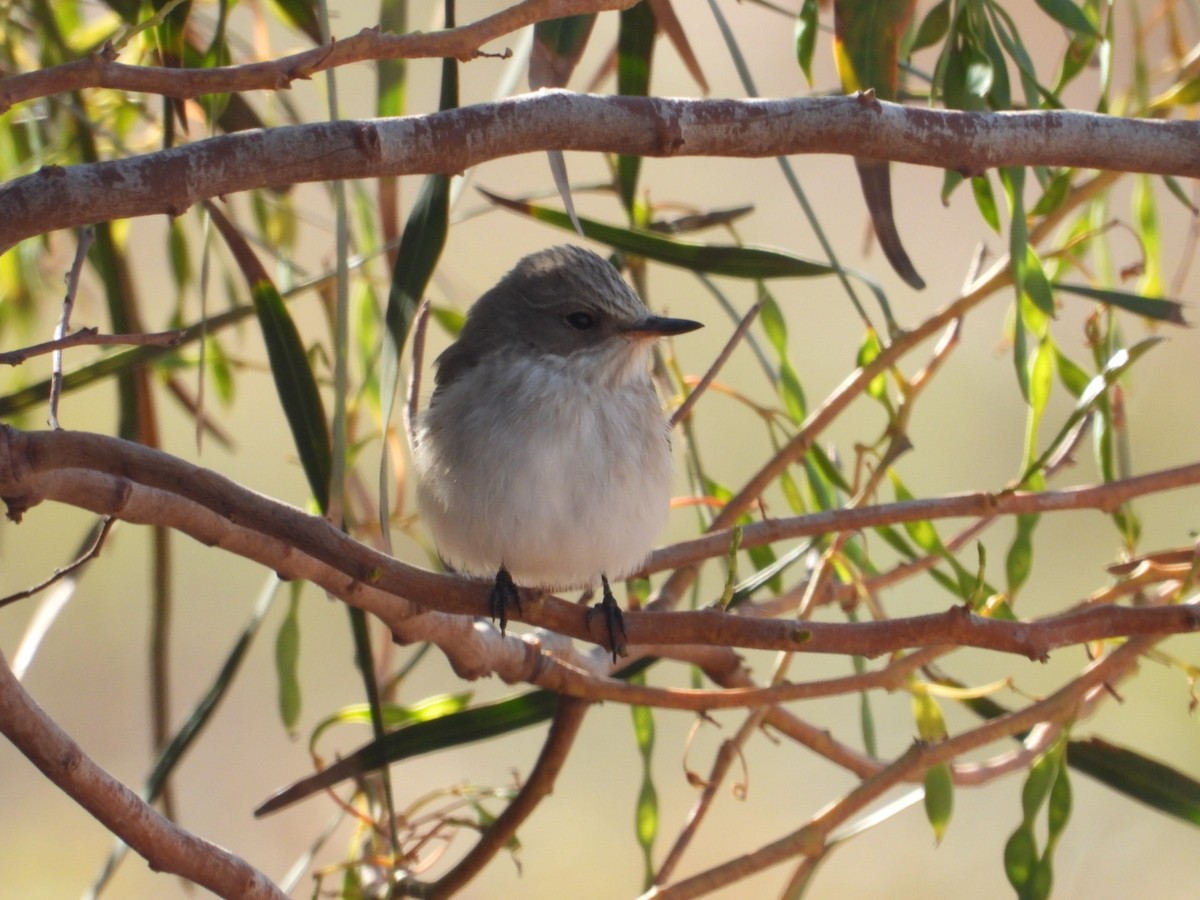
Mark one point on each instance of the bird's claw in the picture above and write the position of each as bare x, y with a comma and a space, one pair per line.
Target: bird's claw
614, 619
504, 592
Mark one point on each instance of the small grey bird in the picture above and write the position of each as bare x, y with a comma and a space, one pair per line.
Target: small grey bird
544, 457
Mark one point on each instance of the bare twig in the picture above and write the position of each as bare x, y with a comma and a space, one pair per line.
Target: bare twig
564, 728
701, 386
86, 236
91, 337
100, 70
90, 554
981, 504
810, 840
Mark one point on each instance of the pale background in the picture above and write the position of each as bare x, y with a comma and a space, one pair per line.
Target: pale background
967, 433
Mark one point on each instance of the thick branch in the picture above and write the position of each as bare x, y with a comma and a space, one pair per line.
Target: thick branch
170, 181
166, 846
113, 477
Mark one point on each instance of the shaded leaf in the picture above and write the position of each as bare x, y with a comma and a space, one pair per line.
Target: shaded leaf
933, 27
558, 45
1156, 308
295, 382
287, 661
1069, 16
715, 259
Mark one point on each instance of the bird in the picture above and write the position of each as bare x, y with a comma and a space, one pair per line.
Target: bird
543, 459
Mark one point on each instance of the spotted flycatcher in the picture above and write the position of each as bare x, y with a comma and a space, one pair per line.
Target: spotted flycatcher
544, 458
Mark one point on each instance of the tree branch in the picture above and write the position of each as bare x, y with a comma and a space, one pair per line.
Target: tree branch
170, 181
165, 846
101, 70
141, 485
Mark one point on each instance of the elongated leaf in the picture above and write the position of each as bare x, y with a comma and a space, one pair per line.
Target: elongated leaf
806, 36
713, 259
635, 53
287, 661
646, 819
1146, 780
1092, 394
470, 725
1156, 308
558, 45
294, 380
933, 27
1069, 16
393, 715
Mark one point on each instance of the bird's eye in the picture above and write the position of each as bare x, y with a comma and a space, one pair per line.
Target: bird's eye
581, 321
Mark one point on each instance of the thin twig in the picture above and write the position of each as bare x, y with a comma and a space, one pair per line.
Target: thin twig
743, 326
91, 337
811, 839
564, 728
86, 236
91, 553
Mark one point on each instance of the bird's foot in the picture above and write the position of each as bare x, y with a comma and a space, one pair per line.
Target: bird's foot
613, 619
503, 593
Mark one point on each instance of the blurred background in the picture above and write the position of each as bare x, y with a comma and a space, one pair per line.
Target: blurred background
968, 434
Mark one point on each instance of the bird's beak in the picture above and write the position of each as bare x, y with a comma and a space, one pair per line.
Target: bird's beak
660, 326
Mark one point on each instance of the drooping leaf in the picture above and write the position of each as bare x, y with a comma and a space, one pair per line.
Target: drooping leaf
714, 259
294, 380
1157, 308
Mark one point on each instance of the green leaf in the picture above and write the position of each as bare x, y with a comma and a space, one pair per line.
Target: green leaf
985, 200
1180, 194
1019, 561
931, 725
287, 661
1156, 308
1037, 286
465, 726
806, 37
1117, 365
1074, 379
1145, 207
646, 816
391, 74
933, 27
173, 753
1055, 193
867, 353
295, 382
635, 53
392, 715
1146, 780
714, 259
451, 730
297, 388
939, 799
558, 45
303, 16
1069, 16
1020, 857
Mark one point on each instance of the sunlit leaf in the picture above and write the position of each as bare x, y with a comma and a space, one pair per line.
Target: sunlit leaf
806, 37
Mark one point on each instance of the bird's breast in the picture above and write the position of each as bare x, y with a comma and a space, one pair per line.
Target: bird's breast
556, 477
